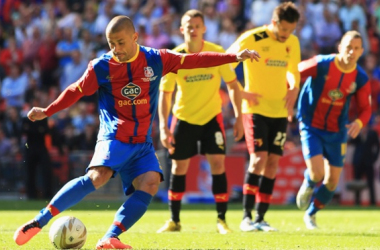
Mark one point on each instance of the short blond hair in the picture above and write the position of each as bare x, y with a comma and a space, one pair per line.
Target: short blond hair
193, 13
352, 34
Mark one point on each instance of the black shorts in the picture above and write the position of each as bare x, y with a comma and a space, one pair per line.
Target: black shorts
211, 137
265, 133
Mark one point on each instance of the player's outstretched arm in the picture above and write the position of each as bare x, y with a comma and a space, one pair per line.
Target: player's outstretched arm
174, 61
36, 114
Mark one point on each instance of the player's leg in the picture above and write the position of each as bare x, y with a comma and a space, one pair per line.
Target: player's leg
264, 195
141, 176
276, 137
73, 191
219, 190
312, 150
323, 194
70, 194
186, 138
334, 152
255, 131
213, 145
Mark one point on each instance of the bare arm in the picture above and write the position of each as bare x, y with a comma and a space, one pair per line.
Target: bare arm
235, 97
164, 106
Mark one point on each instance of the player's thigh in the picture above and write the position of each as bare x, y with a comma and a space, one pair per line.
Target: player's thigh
144, 161
257, 139
335, 152
249, 132
276, 135
213, 140
186, 138
312, 144
332, 176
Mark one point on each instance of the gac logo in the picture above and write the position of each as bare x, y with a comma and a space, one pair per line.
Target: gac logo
131, 91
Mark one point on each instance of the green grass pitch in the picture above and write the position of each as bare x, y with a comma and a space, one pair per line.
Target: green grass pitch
340, 227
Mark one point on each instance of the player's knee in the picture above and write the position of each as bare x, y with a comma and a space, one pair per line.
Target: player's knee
332, 183
99, 175
180, 167
148, 182
150, 187
257, 163
217, 167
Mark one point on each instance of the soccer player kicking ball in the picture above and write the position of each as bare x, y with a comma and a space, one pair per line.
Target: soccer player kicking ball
197, 118
127, 79
323, 119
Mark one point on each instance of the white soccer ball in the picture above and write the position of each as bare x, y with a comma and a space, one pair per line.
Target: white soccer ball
68, 232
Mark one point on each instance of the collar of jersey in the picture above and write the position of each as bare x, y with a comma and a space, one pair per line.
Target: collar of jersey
190, 52
130, 60
343, 70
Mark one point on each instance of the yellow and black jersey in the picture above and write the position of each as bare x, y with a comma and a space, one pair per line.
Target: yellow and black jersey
197, 98
268, 77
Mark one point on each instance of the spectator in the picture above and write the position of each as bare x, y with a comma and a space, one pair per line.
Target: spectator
86, 45
37, 157
365, 156
14, 87
10, 55
5, 145
66, 46
47, 61
82, 118
228, 34
87, 139
351, 12
211, 22
157, 39
89, 17
12, 125
262, 11
73, 70
327, 41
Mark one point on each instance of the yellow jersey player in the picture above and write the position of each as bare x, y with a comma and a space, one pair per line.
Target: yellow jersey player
197, 117
275, 81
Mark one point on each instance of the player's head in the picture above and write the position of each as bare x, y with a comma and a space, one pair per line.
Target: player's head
351, 47
122, 37
192, 26
284, 20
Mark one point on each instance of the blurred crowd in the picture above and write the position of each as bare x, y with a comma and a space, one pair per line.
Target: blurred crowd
45, 45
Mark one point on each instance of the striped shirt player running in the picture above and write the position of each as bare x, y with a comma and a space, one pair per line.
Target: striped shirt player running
332, 80
127, 80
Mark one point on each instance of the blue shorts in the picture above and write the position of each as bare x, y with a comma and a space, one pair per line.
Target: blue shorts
331, 145
128, 159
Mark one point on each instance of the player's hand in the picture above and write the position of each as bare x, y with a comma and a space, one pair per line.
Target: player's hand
353, 129
252, 98
36, 114
238, 129
290, 99
167, 140
247, 54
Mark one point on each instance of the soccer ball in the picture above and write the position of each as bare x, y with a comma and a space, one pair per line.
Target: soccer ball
68, 232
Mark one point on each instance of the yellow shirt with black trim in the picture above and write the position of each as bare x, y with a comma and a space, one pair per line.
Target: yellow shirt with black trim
197, 99
268, 76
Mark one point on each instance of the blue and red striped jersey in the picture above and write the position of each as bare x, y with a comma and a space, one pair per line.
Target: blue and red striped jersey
325, 97
128, 91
